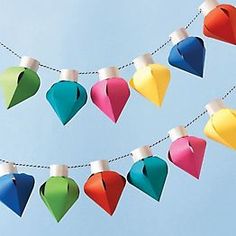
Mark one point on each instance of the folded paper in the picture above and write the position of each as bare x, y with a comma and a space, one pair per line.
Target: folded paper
188, 53
220, 21
111, 93
66, 97
148, 173
105, 187
186, 152
59, 193
221, 126
19, 83
150, 80
15, 191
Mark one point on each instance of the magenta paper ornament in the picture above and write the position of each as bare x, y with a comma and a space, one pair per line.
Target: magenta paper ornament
186, 152
111, 93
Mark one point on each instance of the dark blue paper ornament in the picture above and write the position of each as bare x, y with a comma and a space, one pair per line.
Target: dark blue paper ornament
67, 96
15, 189
188, 53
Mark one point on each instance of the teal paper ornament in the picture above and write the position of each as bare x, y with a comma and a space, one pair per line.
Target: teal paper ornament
67, 96
20, 83
148, 173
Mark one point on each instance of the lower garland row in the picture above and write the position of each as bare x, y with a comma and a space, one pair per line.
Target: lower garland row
104, 186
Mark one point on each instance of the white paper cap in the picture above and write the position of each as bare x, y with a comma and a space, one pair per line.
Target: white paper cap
177, 133
58, 170
143, 61
108, 72
7, 168
68, 74
30, 63
99, 166
207, 6
141, 153
215, 106
178, 35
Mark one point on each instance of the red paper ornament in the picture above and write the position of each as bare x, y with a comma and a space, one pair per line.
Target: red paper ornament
104, 186
220, 21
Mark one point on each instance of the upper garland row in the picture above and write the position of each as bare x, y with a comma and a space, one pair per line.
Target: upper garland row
112, 92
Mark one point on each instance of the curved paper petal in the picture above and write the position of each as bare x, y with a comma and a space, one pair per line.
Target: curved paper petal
105, 189
222, 127
189, 55
18, 84
59, 194
110, 96
220, 23
149, 175
187, 153
151, 82
66, 99
15, 190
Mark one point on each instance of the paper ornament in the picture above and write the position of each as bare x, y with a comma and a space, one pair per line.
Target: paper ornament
59, 193
186, 152
150, 80
111, 93
148, 173
15, 189
104, 186
188, 53
20, 83
67, 96
221, 126
219, 21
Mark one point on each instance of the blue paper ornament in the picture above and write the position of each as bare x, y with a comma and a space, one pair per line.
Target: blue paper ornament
67, 96
188, 53
148, 173
15, 189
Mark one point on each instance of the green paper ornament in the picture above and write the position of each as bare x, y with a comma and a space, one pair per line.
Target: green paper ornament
59, 192
20, 83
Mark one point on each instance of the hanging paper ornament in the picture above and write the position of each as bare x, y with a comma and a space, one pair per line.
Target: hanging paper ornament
188, 53
148, 173
221, 126
111, 93
150, 80
59, 193
20, 83
67, 96
104, 186
15, 189
186, 152
220, 21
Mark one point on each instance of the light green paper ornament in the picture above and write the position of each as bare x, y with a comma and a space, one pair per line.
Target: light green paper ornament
59, 192
20, 83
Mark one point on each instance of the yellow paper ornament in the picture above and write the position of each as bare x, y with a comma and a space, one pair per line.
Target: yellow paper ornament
221, 126
150, 80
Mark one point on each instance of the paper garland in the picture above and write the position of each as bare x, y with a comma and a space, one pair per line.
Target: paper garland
151, 79
149, 172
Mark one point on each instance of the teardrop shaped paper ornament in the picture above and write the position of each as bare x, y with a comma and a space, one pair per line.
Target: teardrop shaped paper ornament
59, 193
186, 152
188, 53
67, 96
221, 126
104, 187
20, 83
150, 80
219, 21
111, 93
148, 173
15, 189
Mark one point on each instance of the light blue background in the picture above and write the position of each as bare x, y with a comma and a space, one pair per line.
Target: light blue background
90, 34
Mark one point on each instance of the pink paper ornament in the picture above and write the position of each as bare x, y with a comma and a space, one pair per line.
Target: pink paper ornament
111, 93
186, 152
